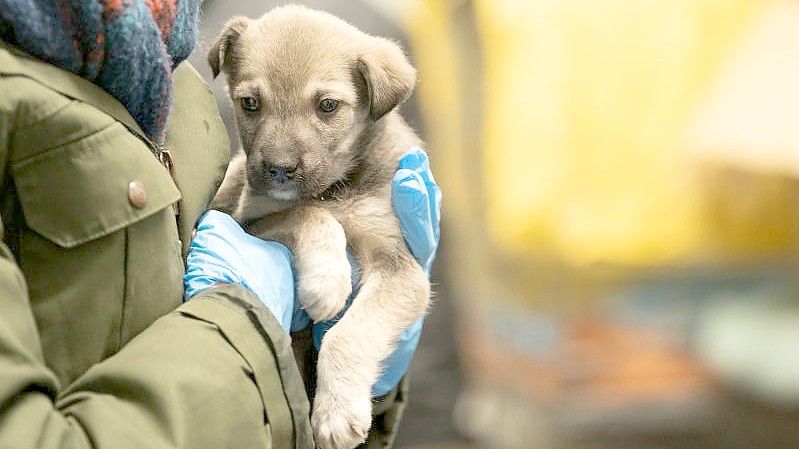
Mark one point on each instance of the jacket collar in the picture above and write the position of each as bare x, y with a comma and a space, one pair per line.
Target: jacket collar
15, 62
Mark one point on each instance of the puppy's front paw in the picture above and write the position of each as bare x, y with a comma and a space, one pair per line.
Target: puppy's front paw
324, 283
341, 421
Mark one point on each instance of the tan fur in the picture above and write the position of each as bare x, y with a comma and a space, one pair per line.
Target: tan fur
290, 59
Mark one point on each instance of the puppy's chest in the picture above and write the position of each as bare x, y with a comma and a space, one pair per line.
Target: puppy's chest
363, 216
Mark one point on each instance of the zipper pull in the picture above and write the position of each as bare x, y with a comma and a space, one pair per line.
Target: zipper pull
165, 157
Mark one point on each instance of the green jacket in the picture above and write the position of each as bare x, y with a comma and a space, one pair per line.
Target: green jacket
96, 348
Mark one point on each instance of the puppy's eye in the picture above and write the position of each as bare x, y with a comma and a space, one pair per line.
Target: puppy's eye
250, 104
328, 105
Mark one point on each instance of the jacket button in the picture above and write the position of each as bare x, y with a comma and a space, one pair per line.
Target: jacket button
137, 195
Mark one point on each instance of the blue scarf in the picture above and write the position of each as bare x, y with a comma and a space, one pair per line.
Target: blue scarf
127, 47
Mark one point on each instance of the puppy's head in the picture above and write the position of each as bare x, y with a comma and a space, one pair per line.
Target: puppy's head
305, 86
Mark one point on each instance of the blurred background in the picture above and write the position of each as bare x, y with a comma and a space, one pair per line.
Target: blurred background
621, 219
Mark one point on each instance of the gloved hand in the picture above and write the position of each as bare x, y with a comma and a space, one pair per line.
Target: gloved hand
222, 253
417, 203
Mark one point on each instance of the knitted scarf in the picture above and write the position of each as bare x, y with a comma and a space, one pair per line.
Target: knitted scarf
127, 47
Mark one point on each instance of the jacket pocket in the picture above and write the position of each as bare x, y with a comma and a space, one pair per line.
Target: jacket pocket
81, 191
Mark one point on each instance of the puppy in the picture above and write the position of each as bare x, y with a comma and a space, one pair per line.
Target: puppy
315, 102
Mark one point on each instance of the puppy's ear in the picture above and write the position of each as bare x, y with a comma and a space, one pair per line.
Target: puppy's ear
218, 55
388, 75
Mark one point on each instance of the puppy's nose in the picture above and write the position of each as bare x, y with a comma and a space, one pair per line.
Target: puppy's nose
282, 174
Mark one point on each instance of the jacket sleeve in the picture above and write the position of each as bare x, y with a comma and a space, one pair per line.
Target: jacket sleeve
209, 375
218, 372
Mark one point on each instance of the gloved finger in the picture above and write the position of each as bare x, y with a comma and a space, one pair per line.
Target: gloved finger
204, 266
218, 221
218, 241
411, 204
272, 280
299, 319
416, 159
396, 365
217, 234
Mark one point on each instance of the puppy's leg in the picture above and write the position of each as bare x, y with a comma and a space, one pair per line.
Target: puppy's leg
393, 295
227, 197
317, 240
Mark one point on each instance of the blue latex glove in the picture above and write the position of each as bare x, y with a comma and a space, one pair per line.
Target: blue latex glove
221, 252
417, 203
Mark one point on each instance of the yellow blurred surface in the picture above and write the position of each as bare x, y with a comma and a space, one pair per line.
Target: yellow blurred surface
585, 108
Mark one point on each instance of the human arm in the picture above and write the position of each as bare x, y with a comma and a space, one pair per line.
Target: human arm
202, 376
217, 372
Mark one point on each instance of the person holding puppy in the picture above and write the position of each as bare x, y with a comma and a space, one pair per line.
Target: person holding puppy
112, 148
